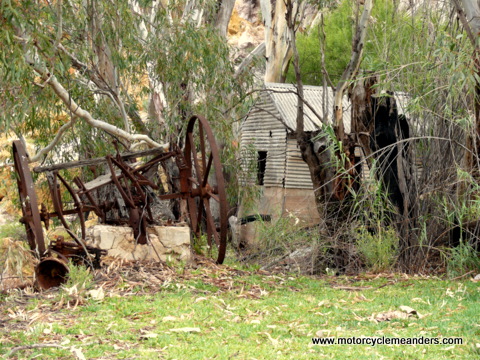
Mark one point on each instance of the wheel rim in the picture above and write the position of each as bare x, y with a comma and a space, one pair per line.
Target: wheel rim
28, 200
203, 159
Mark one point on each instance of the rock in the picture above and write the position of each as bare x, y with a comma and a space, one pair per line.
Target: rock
164, 242
245, 29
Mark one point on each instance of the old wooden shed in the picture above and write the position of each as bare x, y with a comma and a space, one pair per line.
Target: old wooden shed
268, 140
267, 137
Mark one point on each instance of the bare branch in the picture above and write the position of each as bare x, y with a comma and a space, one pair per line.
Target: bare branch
465, 23
72, 106
472, 11
259, 50
43, 152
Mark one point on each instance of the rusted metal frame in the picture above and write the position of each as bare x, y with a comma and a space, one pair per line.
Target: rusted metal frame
195, 159
211, 228
57, 202
56, 197
80, 163
83, 191
202, 150
53, 271
49, 215
116, 181
172, 196
198, 182
154, 161
28, 200
136, 218
127, 172
207, 170
78, 204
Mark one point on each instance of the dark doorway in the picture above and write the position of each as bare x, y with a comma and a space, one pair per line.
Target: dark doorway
261, 166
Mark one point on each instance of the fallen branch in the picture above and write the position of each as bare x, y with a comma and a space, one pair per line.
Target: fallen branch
352, 288
462, 276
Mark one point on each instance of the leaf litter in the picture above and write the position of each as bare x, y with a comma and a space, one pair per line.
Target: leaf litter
122, 279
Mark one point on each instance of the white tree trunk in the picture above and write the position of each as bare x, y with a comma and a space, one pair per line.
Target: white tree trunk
472, 10
223, 16
278, 50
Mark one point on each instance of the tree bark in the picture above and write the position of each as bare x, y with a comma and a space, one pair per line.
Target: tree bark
223, 16
278, 50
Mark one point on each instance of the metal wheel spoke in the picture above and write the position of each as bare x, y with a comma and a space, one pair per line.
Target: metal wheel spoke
214, 197
211, 223
57, 201
195, 159
78, 205
207, 170
199, 218
202, 148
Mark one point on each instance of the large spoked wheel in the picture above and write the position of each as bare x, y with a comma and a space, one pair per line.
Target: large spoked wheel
207, 204
28, 200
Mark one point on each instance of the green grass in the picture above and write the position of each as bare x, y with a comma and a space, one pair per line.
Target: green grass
234, 314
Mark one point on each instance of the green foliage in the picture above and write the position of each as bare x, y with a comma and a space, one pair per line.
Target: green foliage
389, 37
376, 240
282, 236
462, 259
79, 278
338, 44
378, 247
178, 54
13, 230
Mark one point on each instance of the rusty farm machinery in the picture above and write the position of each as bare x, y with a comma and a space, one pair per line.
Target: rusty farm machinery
199, 184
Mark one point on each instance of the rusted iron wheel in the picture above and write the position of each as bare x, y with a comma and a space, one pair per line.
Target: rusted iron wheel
206, 201
28, 200
56, 193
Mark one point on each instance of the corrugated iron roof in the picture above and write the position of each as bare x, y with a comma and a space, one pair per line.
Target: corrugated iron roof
285, 99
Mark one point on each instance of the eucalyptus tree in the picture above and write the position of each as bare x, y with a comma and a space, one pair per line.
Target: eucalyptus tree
85, 71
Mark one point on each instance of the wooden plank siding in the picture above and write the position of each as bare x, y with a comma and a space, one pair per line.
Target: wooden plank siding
264, 130
297, 172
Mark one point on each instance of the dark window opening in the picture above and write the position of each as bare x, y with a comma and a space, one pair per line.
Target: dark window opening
261, 166
271, 134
